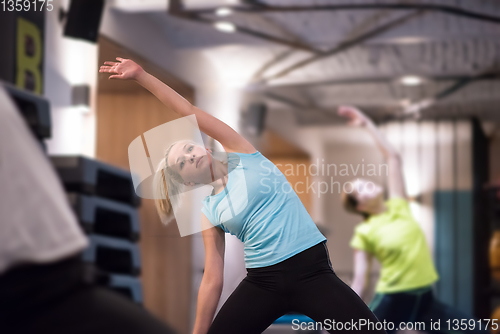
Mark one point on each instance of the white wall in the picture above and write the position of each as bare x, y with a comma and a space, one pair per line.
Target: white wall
69, 62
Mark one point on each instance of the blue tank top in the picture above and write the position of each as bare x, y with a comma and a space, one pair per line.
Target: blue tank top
260, 208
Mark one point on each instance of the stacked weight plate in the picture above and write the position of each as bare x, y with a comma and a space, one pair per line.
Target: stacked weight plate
35, 111
105, 203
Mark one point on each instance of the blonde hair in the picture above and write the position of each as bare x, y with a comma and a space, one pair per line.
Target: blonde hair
166, 182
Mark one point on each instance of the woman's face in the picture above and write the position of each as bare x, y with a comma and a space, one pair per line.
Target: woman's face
191, 162
368, 194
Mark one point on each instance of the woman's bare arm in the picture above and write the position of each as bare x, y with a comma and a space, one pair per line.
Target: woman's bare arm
213, 277
362, 269
395, 181
127, 69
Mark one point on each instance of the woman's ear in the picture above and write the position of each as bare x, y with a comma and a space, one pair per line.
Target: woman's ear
189, 184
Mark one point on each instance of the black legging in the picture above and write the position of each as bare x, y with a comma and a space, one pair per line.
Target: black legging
304, 283
58, 298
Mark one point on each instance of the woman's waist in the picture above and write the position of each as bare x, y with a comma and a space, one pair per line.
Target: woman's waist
311, 258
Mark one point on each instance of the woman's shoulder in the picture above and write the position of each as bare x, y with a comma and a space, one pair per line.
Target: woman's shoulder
397, 203
249, 153
250, 158
399, 207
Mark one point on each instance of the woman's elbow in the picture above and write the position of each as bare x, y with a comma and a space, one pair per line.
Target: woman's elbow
214, 281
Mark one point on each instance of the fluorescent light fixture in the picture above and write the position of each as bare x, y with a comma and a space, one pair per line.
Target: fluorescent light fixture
140, 5
204, 4
225, 26
223, 11
411, 80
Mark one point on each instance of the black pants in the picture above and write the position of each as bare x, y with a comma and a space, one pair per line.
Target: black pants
63, 298
304, 283
419, 308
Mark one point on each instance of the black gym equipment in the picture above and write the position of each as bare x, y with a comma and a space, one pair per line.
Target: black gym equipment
93, 177
34, 109
113, 255
105, 217
105, 203
128, 286
83, 19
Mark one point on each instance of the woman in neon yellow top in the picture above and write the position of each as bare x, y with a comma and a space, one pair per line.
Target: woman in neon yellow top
391, 235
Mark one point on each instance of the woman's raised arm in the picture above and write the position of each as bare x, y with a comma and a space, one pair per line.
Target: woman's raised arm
126, 69
395, 180
362, 270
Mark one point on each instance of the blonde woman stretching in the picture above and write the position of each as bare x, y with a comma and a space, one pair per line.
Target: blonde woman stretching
287, 261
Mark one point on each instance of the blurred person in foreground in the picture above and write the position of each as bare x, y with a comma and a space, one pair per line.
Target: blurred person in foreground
390, 233
44, 285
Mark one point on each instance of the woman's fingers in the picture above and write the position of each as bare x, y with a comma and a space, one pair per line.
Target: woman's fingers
120, 70
344, 111
107, 69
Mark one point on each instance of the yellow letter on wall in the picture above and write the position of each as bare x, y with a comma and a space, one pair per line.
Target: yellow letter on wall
29, 56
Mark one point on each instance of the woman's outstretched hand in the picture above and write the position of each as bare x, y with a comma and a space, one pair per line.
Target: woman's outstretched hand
355, 116
124, 69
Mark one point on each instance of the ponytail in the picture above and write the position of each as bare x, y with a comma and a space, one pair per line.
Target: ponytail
166, 182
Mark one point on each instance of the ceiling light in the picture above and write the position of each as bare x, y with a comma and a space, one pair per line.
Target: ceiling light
140, 5
223, 11
225, 26
411, 80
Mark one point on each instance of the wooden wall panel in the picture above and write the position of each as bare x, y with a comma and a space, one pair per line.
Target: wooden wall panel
293, 169
288, 157
166, 257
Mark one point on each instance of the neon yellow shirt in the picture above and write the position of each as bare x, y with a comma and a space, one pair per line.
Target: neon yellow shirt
398, 243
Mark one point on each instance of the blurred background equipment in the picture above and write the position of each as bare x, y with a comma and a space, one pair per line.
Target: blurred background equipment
106, 205
106, 217
80, 97
254, 119
93, 177
83, 19
34, 109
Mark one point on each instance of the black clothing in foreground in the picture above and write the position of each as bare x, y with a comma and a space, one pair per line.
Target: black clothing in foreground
64, 297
